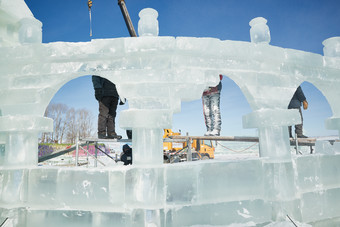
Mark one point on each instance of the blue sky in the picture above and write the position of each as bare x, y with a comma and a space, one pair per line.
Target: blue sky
296, 24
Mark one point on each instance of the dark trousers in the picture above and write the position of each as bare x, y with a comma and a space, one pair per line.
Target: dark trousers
107, 115
298, 128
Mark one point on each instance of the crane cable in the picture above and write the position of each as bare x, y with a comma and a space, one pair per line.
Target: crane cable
235, 150
89, 4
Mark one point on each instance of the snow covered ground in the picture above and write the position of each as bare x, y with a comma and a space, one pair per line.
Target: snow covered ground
226, 150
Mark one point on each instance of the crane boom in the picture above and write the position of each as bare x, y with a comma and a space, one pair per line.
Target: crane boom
127, 18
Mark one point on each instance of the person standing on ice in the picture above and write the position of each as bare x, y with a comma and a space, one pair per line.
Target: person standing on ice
295, 103
107, 96
211, 109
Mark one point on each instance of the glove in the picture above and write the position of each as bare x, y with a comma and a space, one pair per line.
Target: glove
98, 94
305, 105
89, 4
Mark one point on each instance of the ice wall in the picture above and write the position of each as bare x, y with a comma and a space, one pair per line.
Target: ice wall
17, 24
156, 74
198, 193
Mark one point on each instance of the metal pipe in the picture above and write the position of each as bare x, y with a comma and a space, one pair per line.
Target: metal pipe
95, 154
104, 153
296, 144
59, 153
127, 18
4, 222
189, 153
87, 154
77, 149
92, 156
221, 138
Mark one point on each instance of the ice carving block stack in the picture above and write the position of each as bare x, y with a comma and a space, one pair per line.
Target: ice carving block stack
155, 74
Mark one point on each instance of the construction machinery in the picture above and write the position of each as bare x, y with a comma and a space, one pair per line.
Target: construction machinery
179, 150
168, 144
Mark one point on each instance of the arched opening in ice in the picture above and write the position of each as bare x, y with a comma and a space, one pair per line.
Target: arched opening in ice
78, 93
73, 97
233, 106
318, 111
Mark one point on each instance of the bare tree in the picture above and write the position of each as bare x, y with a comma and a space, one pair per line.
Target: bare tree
58, 112
84, 119
72, 127
67, 123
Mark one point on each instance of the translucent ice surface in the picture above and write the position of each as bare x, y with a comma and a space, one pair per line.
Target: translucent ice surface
18, 24
155, 74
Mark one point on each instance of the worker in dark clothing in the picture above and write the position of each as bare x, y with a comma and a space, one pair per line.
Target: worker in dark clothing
107, 96
129, 134
126, 156
295, 103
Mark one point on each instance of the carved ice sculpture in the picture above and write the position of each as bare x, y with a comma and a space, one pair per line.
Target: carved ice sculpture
17, 24
156, 74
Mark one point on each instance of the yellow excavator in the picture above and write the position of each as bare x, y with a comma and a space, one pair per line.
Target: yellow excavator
176, 151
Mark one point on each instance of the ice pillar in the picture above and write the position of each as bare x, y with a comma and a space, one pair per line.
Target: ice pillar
148, 146
272, 125
147, 133
331, 52
273, 131
274, 142
147, 118
19, 139
147, 152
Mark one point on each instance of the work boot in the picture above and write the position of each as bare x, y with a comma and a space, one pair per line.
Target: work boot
101, 136
114, 135
208, 133
215, 132
302, 136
